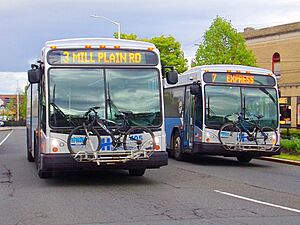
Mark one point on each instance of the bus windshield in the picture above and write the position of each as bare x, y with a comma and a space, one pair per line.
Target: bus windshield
223, 101
74, 91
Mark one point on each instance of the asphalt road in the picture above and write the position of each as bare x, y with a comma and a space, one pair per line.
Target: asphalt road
202, 190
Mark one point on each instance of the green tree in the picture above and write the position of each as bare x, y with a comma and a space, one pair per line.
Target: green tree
23, 105
170, 50
11, 107
126, 36
222, 44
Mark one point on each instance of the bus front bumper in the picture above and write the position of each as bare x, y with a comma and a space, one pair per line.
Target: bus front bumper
65, 162
217, 149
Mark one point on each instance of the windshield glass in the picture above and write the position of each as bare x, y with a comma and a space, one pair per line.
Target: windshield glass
261, 102
73, 92
224, 101
221, 102
134, 91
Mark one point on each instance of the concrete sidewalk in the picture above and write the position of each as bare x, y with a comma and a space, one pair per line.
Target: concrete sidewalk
12, 128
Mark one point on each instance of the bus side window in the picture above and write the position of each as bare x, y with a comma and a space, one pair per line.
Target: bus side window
174, 98
199, 111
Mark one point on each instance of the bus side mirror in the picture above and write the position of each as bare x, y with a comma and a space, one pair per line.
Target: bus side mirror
172, 77
34, 75
279, 93
195, 89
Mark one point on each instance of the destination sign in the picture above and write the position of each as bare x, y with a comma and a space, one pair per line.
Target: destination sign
102, 57
239, 78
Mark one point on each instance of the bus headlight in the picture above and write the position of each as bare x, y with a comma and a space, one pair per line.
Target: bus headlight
157, 146
207, 134
156, 139
274, 139
56, 144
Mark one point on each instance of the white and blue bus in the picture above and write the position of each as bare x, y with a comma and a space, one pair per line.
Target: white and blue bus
74, 75
193, 120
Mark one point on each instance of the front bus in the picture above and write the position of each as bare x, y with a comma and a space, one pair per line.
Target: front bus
76, 74
207, 97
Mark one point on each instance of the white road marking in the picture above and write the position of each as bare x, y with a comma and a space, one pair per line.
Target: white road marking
257, 201
6, 137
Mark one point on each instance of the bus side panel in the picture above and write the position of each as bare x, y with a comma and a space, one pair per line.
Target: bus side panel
28, 118
170, 124
34, 111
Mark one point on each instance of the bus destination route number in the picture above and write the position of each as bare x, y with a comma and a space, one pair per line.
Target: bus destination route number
101, 57
238, 78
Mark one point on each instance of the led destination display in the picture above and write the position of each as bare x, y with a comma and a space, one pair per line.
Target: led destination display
239, 78
102, 57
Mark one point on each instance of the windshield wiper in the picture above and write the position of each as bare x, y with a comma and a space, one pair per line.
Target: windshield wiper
64, 116
264, 90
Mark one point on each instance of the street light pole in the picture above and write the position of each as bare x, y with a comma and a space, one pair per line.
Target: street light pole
114, 22
18, 101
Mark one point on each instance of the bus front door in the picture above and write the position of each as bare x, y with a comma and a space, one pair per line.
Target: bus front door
188, 125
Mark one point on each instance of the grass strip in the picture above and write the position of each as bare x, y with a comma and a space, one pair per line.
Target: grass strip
288, 156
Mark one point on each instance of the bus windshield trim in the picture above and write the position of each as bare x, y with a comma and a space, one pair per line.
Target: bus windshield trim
104, 69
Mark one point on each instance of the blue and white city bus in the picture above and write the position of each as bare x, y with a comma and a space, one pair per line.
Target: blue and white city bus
74, 75
207, 97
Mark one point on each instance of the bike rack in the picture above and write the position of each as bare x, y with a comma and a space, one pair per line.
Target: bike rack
245, 147
112, 157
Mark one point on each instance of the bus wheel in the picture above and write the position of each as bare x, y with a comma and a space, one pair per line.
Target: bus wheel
29, 154
137, 172
35, 151
176, 147
244, 158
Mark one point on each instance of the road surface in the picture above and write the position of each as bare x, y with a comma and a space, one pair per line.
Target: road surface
201, 190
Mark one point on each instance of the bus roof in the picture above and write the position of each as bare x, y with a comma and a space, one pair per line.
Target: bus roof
96, 42
193, 74
226, 67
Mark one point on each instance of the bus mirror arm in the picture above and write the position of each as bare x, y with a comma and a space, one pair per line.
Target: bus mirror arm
35, 74
195, 88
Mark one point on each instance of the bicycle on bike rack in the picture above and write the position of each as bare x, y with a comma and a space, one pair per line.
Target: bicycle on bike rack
237, 135
127, 142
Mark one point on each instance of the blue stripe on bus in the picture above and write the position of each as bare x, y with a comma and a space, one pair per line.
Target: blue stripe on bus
170, 123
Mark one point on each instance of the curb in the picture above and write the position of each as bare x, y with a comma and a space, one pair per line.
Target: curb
5, 129
285, 161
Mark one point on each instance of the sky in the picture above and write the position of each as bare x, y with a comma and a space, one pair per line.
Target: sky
25, 25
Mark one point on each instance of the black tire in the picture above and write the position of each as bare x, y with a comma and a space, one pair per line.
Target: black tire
79, 132
30, 158
35, 150
244, 158
177, 147
137, 172
266, 135
134, 141
227, 135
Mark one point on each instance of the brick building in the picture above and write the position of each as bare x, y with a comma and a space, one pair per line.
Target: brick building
277, 48
4, 99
